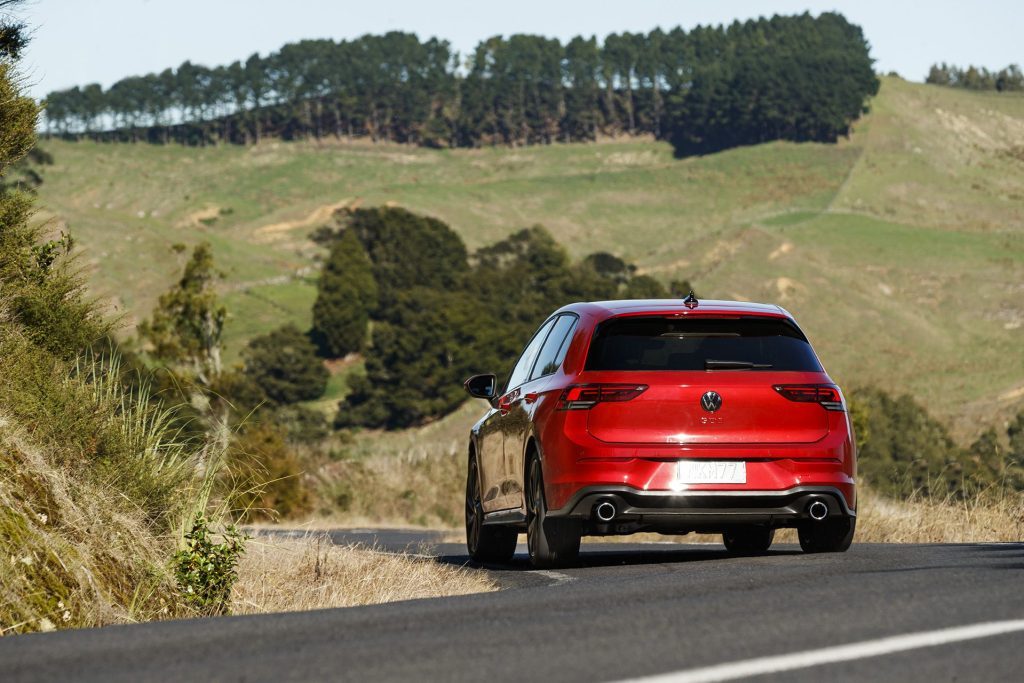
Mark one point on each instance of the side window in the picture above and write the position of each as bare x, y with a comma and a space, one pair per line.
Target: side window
553, 352
521, 371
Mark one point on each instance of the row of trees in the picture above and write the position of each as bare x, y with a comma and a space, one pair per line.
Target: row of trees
1010, 79
798, 77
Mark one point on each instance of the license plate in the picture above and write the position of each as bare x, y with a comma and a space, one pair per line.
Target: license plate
712, 472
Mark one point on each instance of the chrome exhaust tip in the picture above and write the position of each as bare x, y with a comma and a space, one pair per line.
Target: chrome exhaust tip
605, 511
818, 510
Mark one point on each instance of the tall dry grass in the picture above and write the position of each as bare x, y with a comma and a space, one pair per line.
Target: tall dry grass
279, 574
412, 477
991, 515
97, 487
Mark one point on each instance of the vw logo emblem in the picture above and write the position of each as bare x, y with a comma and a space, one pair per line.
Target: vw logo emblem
711, 401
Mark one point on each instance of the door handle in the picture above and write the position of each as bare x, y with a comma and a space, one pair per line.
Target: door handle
530, 398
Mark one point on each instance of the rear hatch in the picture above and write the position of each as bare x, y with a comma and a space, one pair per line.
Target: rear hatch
708, 381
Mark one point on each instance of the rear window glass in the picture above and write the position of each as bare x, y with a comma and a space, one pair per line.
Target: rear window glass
700, 344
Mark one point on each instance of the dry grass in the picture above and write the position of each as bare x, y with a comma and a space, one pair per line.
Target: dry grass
988, 517
71, 553
286, 575
410, 477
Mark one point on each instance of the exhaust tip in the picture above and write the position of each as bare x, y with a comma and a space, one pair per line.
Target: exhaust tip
818, 510
605, 511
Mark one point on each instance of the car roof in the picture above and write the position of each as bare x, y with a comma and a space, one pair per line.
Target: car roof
608, 309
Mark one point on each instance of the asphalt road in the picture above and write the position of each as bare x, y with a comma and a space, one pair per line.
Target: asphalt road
628, 611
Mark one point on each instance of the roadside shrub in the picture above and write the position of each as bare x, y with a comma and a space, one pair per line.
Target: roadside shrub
266, 474
901, 448
206, 570
904, 451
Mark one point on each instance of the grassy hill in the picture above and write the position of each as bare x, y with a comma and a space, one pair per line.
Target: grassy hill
901, 250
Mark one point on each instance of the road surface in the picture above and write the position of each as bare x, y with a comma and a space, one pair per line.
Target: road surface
627, 611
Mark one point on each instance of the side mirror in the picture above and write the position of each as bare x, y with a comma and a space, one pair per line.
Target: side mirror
482, 386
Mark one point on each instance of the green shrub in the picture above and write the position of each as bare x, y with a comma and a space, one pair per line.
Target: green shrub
902, 450
205, 570
285, 366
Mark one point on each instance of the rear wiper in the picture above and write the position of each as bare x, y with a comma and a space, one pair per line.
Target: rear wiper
734, 365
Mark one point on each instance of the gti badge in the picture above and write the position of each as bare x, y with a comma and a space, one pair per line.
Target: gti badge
711, 401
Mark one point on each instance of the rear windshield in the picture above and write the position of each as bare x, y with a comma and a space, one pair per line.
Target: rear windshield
700, 344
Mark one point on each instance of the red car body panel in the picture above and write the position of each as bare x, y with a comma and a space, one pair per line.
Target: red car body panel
636, 445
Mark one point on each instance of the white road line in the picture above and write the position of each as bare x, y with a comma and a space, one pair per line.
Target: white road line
839, 653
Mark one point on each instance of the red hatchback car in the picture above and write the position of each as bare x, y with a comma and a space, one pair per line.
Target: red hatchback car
672, 416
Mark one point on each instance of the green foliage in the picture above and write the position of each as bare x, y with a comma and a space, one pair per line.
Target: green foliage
285, 366
346, 293
24, 174
680, 288
610, 266
205, 570
408, 250
644, 287
903, 450
993, 460
428, 344
187, 324
40, 291
786, 78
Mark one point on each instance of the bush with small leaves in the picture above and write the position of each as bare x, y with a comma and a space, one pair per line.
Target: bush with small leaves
206, 570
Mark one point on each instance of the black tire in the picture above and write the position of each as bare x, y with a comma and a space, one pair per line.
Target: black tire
828, 536
552, 542
751, 540
485, 543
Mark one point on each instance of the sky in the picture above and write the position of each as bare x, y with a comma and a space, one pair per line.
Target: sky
85, 41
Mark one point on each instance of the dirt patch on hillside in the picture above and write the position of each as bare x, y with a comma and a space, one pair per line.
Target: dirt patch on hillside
319, 216
787, 288
197, 218
783, 249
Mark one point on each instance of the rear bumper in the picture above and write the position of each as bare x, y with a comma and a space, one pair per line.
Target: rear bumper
712, 511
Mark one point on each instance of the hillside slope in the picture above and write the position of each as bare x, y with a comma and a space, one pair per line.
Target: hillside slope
900, 250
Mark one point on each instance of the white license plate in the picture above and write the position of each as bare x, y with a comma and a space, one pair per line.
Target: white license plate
712, 472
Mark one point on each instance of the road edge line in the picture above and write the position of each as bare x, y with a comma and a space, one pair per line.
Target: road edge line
840, 653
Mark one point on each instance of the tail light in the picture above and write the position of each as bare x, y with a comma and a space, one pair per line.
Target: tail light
584, 396
827, 396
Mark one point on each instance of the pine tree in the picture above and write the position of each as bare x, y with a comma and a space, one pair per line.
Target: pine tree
346, 293
408, 250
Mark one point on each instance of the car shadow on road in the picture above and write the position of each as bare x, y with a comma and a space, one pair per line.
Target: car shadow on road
610, 555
